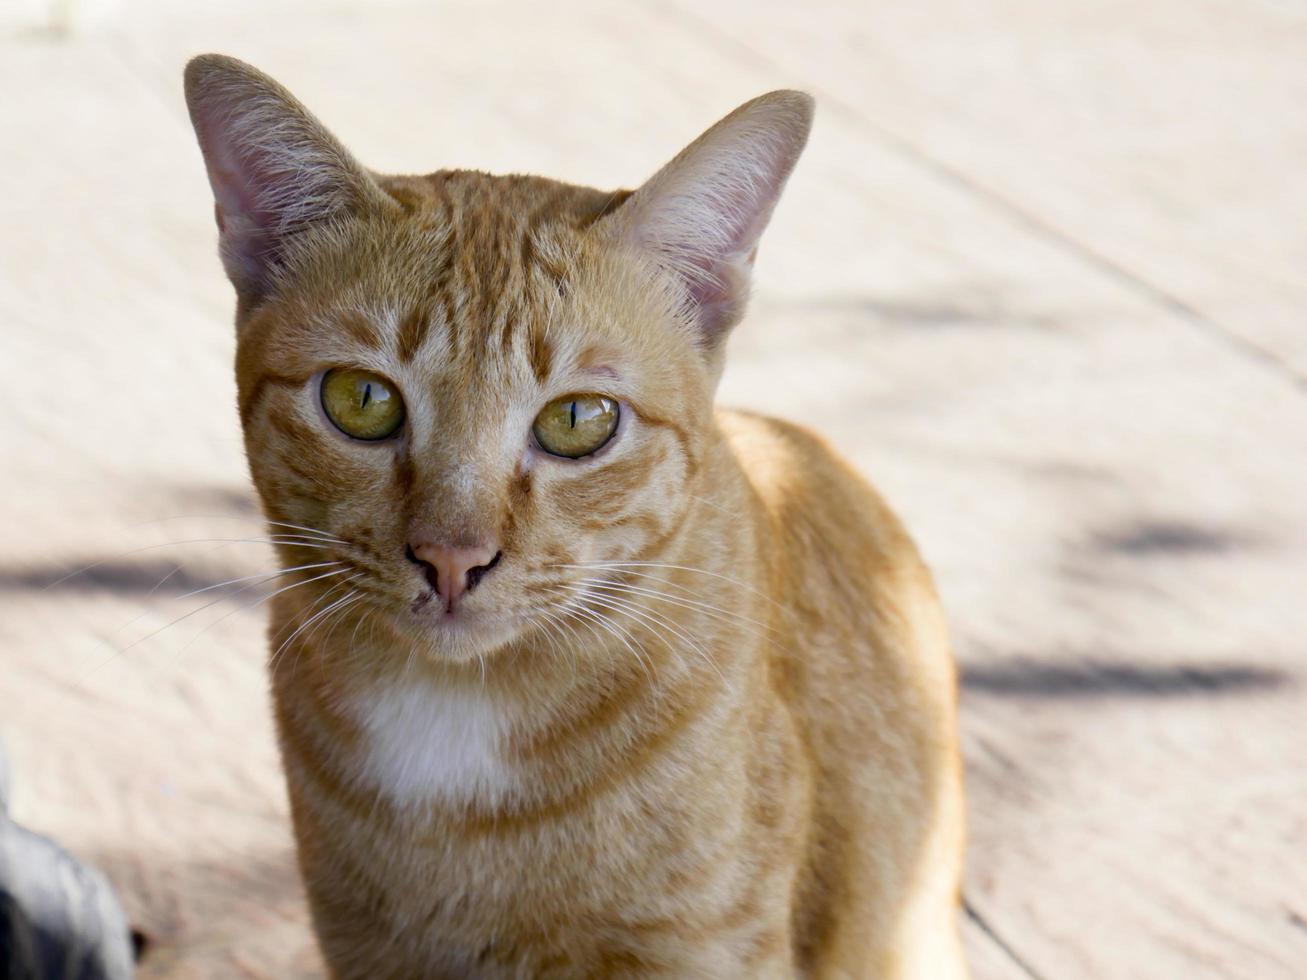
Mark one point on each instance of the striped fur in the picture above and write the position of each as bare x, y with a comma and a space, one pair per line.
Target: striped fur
699, 720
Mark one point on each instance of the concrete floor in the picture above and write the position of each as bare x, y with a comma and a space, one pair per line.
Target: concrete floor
1042, 274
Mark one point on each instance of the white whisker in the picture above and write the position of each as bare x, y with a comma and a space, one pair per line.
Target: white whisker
169, 544
595, 616
262, 576
330, 622
252, 518
556, 646
272, 661
593, 565
715, 506
310, 530
652, 619
247, 607
220, 598
692, 604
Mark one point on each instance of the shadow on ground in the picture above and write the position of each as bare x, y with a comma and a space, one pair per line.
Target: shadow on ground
1027, 678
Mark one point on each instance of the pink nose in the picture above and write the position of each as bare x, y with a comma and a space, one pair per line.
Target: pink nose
453, 571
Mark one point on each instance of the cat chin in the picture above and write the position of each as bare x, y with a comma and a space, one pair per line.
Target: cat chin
463, 637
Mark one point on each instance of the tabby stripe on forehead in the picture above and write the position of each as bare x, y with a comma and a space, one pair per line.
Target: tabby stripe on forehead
361, 330
440, 295
531, 261
413, 333
531, 257
442, 288
540, 351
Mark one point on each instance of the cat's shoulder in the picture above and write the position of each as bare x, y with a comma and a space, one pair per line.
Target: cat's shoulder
782, 459
818, 501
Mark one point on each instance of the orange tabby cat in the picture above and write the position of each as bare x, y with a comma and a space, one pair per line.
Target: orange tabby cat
583, 678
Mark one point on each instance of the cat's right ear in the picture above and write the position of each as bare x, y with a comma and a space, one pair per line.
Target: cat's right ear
274, 169
702, 214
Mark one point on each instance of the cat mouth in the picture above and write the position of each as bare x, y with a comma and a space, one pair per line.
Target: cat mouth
461, 634
422, 602
429, 610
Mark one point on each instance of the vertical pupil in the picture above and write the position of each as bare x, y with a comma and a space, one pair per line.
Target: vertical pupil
367, 395
573, 415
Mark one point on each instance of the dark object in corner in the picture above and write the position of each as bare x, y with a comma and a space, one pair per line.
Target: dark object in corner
59, 919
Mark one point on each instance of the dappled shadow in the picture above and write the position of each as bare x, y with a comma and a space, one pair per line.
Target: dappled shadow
1170, 538
126, 575
120, 577
1022, 678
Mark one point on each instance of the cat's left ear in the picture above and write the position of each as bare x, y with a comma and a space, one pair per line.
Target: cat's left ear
702, 214
274, 169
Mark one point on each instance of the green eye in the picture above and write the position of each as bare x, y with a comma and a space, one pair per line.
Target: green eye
577, 425
361, 404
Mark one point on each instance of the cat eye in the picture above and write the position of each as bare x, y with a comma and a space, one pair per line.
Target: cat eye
361, 404
577, 425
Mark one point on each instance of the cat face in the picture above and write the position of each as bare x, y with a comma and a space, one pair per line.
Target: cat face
475, 335
474, 385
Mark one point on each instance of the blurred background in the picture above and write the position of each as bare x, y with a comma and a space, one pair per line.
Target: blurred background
1042, 274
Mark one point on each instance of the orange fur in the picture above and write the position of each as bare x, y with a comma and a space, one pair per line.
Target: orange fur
699, 721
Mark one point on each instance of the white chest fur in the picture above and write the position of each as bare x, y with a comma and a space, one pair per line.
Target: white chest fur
424, 744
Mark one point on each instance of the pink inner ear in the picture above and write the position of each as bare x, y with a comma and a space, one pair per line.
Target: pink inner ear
270, 171
241, 178
233, 195
717, 255
703, 213
239, 182
718, 293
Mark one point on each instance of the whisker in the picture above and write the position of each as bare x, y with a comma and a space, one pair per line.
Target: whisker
264, 576
121, 650
653, 577
351, 656
330, 622
170, 544
572, 650
708, 608
369, 616
310, 530
252, 518
272, 661
560, 646
715, 506
247, 607
220, 598
315, 604
596, 617
682, 568
652, 618
355, 635
560, 618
